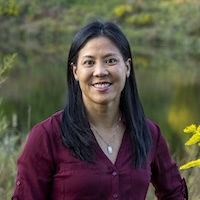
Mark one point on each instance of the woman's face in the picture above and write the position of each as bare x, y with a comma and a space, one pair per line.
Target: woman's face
101, 72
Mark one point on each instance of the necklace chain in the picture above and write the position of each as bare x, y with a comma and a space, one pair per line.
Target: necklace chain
109, 146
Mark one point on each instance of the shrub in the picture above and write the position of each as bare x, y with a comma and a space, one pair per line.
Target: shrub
122, 10
9, 7
140, 20
7, 143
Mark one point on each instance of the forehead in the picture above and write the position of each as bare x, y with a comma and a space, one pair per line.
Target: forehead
99, 45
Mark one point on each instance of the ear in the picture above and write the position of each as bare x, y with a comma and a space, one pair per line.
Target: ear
75, 72
128, 67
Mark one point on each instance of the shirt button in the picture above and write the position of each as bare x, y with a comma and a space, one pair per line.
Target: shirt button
115, 196
18, 183
114, 173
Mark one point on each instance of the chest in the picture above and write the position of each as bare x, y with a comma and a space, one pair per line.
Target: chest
110, 147
75, 179
79, 181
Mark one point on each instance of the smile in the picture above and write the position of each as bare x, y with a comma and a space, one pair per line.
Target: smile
101, 85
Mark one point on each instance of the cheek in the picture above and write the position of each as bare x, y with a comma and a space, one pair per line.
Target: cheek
78, 74
123, 83
84, 77
123, 79
122, 74
120, 81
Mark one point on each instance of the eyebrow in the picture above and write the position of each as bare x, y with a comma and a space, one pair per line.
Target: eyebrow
107, 55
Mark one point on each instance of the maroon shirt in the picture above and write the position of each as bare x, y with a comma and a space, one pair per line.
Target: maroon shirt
48, 171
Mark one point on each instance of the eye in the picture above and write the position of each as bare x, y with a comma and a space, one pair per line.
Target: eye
111, 61
88, 63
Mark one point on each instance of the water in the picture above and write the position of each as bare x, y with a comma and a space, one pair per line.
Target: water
168, 83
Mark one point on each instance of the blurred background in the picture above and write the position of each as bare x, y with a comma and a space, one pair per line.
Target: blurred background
35, 37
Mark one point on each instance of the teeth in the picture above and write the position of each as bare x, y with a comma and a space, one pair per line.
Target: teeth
103, 85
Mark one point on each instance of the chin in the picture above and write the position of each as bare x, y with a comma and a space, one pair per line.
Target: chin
104, 101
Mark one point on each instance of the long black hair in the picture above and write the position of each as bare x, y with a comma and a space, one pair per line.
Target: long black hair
75, 129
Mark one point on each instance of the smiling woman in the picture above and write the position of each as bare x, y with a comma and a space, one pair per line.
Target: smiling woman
101, 146
101, 72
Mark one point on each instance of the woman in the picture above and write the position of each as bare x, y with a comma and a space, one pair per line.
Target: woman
100, 146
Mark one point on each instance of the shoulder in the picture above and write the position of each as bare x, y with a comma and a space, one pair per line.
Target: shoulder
44, 138
152, 126
159, 144
155, 131
52, 123
47, 130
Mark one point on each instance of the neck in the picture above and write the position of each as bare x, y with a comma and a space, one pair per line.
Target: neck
102, 117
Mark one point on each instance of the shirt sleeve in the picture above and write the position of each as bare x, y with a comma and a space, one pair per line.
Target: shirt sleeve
35, 167
166, 177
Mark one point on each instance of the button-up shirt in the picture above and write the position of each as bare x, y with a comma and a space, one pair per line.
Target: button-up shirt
48, 171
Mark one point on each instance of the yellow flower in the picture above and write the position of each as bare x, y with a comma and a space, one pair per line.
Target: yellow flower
123, 9
191, 164
194, 139
191, 129
198, 129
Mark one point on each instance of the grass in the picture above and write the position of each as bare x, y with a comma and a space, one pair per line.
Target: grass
8, 158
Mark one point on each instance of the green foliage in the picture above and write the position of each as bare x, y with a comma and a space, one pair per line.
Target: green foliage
3, 123
161, 22
133, 15
7, 141
8, 155
165, 22
122, 10
9, 7
140, 20
142, 61
5, 64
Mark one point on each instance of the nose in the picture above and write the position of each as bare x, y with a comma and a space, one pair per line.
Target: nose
100, 69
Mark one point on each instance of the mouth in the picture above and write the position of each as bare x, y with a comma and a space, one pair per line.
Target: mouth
102, 85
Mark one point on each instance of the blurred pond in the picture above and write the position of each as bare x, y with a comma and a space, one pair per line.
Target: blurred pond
168, 82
